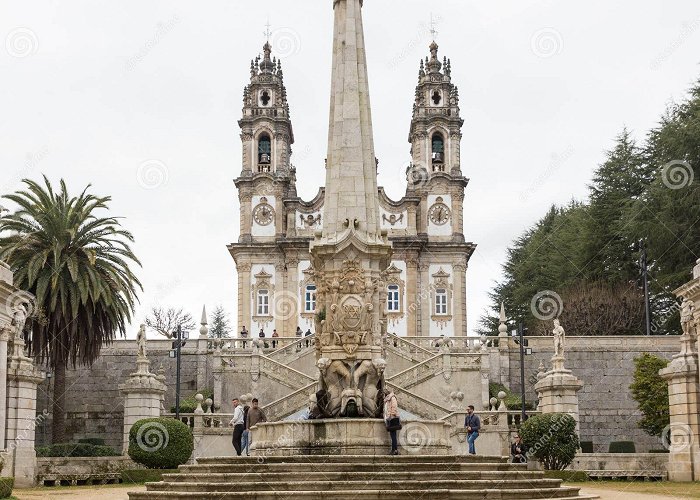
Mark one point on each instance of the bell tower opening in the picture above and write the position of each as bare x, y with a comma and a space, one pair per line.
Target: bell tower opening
438, 150
437, 97
264, 153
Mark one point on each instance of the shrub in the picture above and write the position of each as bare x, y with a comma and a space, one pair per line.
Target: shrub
513, 401
93, 441
140, 476
622, 447
552, 439
75, 450
189, 404
6, 485
160, 443
586, 446
650, 392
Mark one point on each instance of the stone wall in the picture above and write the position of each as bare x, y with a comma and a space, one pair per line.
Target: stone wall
606, 366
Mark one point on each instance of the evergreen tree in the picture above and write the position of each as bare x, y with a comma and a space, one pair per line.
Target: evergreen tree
220, 324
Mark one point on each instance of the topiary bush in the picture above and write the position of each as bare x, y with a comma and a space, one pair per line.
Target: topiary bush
141, 476
75, 450
551, 439
160, 443
622, 447
6, 485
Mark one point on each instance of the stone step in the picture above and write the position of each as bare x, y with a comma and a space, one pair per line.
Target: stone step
350, 459
564, 493
397, 475
339, 467
426, 484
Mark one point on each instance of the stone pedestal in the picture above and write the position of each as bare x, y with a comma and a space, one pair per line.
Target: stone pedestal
558, 390
683, 377
142, 392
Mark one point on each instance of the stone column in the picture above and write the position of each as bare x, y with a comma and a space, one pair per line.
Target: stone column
683, 378
459, 304
412, 302
244, 290
291, 287
22, 381
5, 333
558, 389
142, 393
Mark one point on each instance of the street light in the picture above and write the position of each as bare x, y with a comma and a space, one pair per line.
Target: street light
179, 342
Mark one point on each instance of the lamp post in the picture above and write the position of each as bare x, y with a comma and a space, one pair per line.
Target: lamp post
181, 339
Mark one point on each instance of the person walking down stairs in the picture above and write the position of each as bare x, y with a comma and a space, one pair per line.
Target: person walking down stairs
472, 422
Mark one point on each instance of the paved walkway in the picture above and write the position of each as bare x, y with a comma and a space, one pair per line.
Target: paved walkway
82, 493
622, 495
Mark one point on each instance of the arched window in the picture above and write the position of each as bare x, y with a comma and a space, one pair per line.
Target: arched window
263, 303
264, 153
440, 302
310, 299
438, 150
393, 299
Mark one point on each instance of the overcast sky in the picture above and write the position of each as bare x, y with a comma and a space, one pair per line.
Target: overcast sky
141, 99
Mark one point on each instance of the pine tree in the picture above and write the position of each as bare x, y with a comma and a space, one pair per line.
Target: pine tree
220, 324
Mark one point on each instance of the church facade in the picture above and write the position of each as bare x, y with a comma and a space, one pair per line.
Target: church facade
426, 282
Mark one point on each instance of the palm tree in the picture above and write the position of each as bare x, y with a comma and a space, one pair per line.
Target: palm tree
77, 264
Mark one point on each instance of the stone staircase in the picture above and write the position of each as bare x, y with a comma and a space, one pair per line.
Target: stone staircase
362, 477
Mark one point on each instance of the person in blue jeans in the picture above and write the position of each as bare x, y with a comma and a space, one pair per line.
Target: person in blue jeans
472, 422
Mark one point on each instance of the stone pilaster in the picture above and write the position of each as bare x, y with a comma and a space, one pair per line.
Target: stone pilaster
244, 300
143, 392
683, 377
459, 306
412, 299
425, 304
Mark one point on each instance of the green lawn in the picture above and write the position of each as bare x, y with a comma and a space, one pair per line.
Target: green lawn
680, 490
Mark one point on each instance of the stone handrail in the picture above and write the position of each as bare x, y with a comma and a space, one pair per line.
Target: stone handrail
418, 373
294, 350
290, 404
459, 344
418, 405
236, 343
290, 377
415, 351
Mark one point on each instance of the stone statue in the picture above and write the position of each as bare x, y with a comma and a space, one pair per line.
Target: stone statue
19, 319
696, 270
687, 316
559, 336
141, 342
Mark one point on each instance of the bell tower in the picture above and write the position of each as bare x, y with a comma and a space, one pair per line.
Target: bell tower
267, 176
436, 127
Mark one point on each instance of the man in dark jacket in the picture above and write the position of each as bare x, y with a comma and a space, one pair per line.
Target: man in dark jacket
518, 450
472, 422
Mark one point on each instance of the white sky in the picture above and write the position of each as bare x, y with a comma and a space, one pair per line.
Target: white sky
90, 90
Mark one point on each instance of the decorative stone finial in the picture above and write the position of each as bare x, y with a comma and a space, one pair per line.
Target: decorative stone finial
204, 330
502, 327
199, 410
502, 399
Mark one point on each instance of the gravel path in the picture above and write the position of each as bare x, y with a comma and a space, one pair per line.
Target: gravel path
611, 494
82, 493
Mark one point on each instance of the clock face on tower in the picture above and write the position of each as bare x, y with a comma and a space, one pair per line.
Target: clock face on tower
439, 214
263, 214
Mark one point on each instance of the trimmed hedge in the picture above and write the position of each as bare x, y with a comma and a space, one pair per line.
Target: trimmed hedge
6, 485
92, 441
75, 450
622, 447
586, 446
551, 439
570, 476
160, 443
140, 476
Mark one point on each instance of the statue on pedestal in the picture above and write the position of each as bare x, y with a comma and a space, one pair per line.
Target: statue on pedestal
141, 342
559, 336
688, 317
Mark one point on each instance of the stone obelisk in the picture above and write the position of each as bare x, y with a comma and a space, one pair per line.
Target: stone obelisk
351, 253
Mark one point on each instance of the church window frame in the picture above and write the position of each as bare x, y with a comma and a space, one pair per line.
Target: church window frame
310, 299
263, 303
393, 278
393, 299
441, 298
263, 295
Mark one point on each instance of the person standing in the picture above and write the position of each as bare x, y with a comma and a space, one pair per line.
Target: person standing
391, 417
275, 336
308, 334
472, 422
255, 416
244, 336
245, 435
299, 334
238, 424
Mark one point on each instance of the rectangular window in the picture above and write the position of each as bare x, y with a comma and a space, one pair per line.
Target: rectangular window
393, 303
263, 303
441, 302
310, 299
